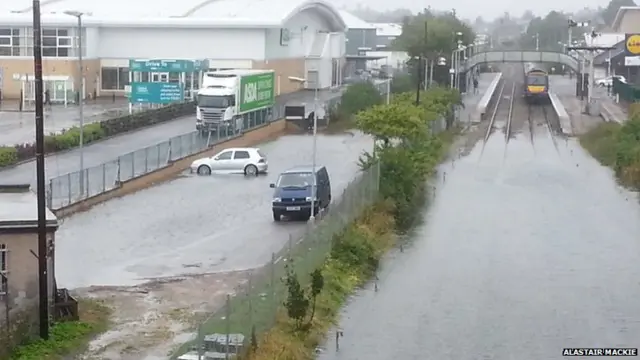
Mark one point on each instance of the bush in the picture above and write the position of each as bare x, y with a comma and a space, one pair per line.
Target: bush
70, 138
8, 156
617, 147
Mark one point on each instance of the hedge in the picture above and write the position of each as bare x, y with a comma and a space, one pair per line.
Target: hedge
70, 138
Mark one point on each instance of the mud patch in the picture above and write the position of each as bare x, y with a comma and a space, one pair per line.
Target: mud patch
150, 320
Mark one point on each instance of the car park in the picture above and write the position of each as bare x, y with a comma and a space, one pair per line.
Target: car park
248, 161
294, 193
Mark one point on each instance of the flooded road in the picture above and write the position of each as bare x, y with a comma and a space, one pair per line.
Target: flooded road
526, 249
195, 224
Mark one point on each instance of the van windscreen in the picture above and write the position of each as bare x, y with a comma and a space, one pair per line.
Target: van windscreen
295, 180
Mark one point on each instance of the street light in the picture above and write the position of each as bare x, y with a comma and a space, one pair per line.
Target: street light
315, 127
78, 15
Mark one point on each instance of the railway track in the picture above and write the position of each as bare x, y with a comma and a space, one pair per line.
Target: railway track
542, 113
502, 115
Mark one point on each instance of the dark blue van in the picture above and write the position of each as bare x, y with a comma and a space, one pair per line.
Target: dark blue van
293, 192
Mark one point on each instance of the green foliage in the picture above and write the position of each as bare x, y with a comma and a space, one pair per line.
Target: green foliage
618, 147
297, 303
440, 39
402, 83
67, 337
358, 97
8, 156
317, 284
396, 120
404, 168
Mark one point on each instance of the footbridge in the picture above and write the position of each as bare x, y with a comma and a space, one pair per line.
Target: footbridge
514, 56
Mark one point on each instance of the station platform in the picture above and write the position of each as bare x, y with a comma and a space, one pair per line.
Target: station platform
473, 101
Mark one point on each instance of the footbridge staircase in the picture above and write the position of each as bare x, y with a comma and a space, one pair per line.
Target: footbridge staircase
520, 56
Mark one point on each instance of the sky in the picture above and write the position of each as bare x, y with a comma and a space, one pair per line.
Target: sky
470, 9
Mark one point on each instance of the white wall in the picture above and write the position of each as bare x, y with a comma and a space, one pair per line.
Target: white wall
338, 45
176, 43
302, 28
92, 42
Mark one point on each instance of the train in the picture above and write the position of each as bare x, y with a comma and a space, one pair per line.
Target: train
536, 83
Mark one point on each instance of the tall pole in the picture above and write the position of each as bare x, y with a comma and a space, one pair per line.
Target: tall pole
315, 127
419, 76
81, 103
42, 206
453, 64
537, 41
388, 82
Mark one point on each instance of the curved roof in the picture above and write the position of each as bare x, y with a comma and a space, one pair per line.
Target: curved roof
246, 12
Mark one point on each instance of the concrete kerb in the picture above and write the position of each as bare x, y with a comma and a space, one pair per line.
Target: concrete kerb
487, 99
265, 133
563, 117
608, 114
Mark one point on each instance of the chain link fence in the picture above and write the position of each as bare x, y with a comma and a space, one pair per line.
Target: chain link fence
253, 306
73, 187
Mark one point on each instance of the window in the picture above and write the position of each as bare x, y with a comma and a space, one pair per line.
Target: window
225, 155
113, 78
56, 43
4, 255
241, 155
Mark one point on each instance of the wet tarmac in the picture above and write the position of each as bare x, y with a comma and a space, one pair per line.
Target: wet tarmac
194, 224
527, 248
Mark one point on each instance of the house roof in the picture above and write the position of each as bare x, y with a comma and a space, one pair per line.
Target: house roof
354, 22
622, 12
18, 209
183, 13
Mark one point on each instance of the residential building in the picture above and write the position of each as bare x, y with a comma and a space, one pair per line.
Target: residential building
19, 290
301, 38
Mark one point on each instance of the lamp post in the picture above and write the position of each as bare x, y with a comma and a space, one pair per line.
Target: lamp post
78, 15
303, 81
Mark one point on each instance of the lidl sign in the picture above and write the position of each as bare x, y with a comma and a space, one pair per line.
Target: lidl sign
632, 44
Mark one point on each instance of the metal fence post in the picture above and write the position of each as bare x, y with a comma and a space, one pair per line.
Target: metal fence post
69, 187
250, 301
170, 155
133, 164
158, 147
104, 177
50, 197
272, 293
86, 183
118, 170
146, 160
200, 342
228, 327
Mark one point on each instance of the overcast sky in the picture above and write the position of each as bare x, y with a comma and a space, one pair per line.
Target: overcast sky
472, 8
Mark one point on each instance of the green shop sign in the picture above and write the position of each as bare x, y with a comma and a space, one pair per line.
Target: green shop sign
257, 91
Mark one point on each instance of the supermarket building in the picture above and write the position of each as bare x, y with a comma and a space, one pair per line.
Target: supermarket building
295, 38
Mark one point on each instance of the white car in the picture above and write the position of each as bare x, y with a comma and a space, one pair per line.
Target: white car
608, 81
249, 161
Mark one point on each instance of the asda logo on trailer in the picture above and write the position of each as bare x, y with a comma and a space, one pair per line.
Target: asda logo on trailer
256, 92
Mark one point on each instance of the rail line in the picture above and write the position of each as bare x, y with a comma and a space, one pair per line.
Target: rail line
544, 111
501, 104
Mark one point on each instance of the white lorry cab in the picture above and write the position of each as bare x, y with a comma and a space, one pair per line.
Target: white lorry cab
226, 97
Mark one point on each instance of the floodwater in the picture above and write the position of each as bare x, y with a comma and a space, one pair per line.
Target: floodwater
527, 249
195, 224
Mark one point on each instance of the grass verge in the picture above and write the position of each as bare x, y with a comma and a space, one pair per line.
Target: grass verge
67, 338
354, 258
600, 142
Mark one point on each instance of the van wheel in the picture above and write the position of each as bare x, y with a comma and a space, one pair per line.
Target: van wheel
251, 170
276, 216
204, 170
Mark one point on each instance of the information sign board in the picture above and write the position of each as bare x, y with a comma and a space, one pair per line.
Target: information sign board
156, 92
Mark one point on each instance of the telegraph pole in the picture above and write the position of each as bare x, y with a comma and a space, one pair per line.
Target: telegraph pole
420, 57
42, 206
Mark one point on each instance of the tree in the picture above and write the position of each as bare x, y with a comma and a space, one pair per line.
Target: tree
317, 284
297, 303
550, 32
610, 12
358, 97
440, 38
393, 121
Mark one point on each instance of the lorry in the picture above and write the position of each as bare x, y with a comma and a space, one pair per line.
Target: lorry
227, 98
